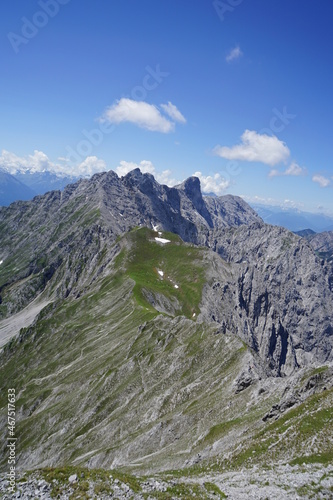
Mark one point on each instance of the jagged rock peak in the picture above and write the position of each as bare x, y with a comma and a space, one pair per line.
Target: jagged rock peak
191, 186
136, 175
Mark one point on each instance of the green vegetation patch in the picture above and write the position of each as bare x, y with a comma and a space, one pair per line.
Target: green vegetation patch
296, 431
181, 264
212, 488
322, 458
94, 483
217, 431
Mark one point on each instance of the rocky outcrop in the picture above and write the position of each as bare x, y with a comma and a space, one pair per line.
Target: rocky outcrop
322, 243
65, 234
124, 368
284, 295
230, 211
277, 298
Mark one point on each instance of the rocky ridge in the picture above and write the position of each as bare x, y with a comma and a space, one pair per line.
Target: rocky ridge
184, 352
282, 287
322, 243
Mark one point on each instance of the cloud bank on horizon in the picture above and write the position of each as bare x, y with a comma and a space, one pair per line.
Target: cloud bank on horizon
254, 147
39, 162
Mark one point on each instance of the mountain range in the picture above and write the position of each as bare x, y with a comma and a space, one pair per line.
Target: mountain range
25, 184
294, 219
154, 330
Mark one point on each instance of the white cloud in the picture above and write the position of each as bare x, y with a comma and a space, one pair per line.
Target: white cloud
39, 162
90, 166
165, 177
140, 113
292, 204
259, 199
147, 167
275, 173
209, 184
234, 54
256, 147
212, 184
294, 170
271, 202
174, 113
321, 180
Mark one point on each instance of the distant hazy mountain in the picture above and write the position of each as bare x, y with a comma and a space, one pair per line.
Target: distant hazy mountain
322, 243
305, 233
11, 189
25, 185
294, 220
42, 182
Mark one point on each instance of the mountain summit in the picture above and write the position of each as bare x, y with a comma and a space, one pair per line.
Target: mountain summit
173, 328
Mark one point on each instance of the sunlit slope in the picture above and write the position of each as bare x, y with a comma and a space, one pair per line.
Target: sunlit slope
105, 378
128, 375
168, 274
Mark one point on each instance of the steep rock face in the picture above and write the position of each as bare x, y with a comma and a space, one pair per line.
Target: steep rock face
71, 229
285, 302
103, 379
278, 297
230, 210
163, 206
322, 243
192, 202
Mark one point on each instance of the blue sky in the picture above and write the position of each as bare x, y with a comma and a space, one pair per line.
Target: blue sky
237, 91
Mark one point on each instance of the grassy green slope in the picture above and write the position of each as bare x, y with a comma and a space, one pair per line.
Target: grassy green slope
105, 380
174, 270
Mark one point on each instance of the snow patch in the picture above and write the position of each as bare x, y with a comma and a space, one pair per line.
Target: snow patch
162, 240
160, 233
1, 261
193, 315
161, 273
155, 227
176, 286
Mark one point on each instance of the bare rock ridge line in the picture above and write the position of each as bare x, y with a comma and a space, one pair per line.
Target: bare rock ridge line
282, 291
181, 331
